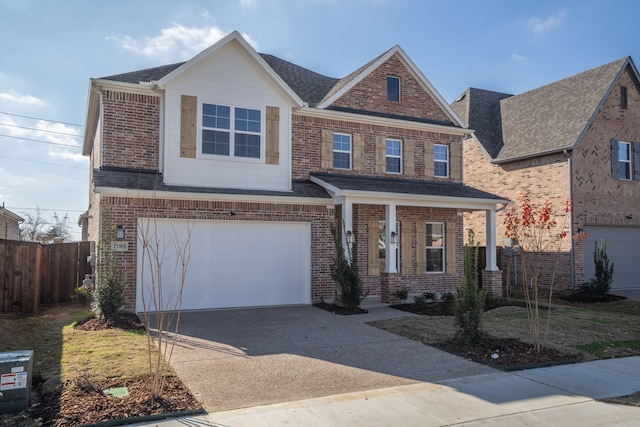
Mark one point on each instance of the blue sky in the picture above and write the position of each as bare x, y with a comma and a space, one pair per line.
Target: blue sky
50, 50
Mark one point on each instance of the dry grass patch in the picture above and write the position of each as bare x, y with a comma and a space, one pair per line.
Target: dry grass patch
571, 328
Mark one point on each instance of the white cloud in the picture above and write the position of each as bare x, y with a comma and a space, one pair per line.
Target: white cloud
24, 100
176, 43
68, 155
516, 57
540, 27
249, 4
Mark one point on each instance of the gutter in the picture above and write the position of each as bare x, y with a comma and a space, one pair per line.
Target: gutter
572, 252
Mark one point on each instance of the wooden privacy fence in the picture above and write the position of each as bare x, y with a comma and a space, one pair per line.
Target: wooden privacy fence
34, 273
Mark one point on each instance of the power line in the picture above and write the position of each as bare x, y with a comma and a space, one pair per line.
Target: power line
41, 130
38, 118
43, 142
45, 209
44, 163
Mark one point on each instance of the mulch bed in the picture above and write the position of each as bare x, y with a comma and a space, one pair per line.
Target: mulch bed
508, 354
83, 402
127, 321
588, 297
336, 309
445, 308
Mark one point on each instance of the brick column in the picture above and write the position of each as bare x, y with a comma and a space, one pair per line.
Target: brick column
492, 282
389, 284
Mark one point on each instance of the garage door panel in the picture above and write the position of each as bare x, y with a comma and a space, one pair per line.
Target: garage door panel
622, 243
240, 264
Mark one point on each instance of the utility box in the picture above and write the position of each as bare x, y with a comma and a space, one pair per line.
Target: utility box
16, 370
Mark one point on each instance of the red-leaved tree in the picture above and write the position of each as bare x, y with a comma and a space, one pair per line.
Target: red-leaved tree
540, 232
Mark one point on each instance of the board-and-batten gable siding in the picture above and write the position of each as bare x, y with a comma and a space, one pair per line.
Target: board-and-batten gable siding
227, 78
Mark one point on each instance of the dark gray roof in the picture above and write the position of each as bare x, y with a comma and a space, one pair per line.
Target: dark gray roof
150, 181
310, 86
404, 186
553, 117
146, 75
548, 119
480, 110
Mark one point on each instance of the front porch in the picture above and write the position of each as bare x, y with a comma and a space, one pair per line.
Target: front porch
407, 234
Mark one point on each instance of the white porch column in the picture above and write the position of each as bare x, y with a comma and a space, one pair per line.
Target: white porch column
490, 224
347, 225
390, 265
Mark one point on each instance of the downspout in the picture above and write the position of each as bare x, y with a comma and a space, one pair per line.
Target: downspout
571, 252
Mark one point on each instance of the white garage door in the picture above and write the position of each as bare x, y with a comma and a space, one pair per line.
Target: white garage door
622, 249
234, 263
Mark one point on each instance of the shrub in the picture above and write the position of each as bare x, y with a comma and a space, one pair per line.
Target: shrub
469, 301
108, 296
601, 284
82, 296
345, 274
402, 294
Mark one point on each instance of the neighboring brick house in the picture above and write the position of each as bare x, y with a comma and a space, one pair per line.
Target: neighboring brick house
262, 156
9, 224
578, 139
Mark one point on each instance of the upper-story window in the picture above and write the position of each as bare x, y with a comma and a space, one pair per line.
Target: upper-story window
341, 151
441, 161
624, 160
394, 156
393, 89
234, 132
623, 97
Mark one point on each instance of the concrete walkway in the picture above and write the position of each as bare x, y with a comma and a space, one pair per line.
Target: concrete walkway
555, 396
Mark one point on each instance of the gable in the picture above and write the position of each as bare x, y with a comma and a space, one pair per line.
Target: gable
228, 78
365, 91
554, 117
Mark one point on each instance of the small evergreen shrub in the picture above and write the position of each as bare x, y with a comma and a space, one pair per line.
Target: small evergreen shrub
601, 284
402, 294
108, 296
469, 300
82, 296
345, 274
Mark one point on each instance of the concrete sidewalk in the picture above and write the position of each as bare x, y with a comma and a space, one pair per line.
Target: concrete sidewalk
559, 395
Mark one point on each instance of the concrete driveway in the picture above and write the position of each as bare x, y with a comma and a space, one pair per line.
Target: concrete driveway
242, 358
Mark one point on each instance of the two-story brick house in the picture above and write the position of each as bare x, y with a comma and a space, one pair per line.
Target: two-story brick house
577, 139
261, 157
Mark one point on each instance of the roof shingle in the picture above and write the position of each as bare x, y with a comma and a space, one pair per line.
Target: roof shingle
548, 119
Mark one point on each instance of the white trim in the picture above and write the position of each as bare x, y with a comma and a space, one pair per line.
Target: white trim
630, 161
418, 200
234, 36
387, 156
380, 121
333, 151
412, 67
448, 163
221, 197
443, 248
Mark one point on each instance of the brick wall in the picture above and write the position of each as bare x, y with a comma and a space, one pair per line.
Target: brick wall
130, 130
416, 282
126, 210
307, 145
545, 177
370, 94
597, 198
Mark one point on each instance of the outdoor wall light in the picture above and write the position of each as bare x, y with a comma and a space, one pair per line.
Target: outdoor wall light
394, 238
350, 237
120, 232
